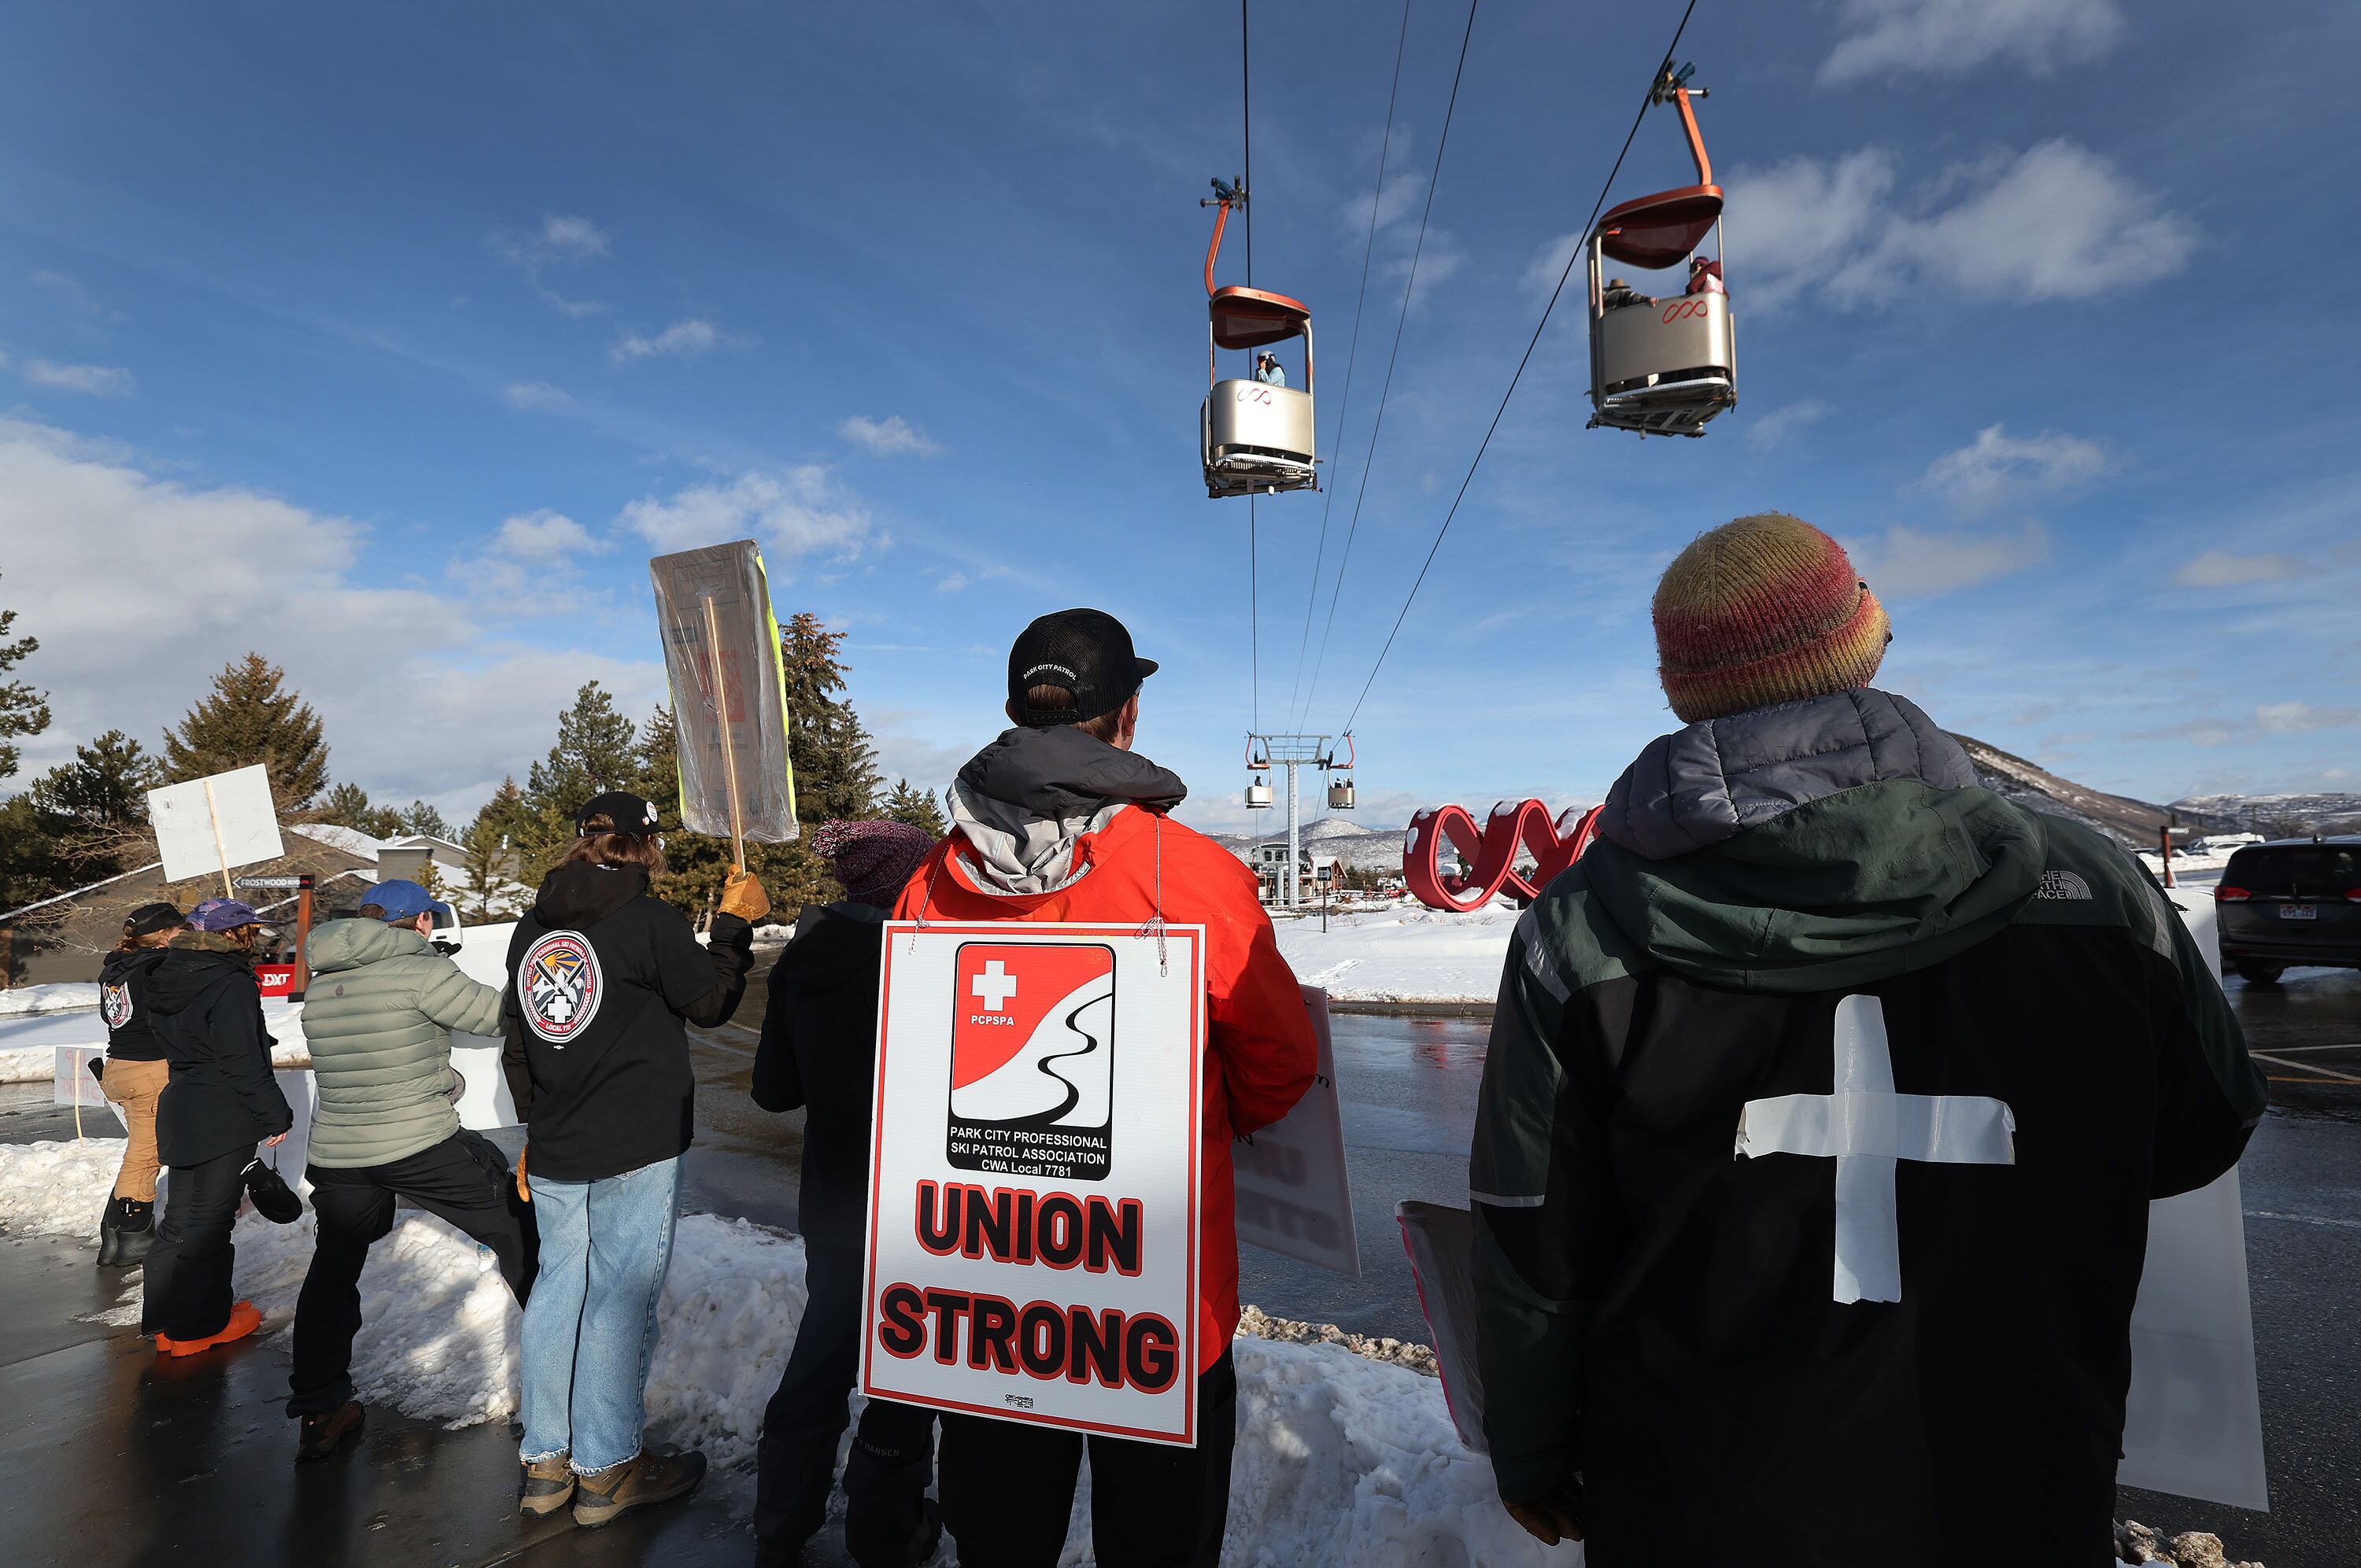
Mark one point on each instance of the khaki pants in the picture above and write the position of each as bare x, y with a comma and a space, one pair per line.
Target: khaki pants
135, 1086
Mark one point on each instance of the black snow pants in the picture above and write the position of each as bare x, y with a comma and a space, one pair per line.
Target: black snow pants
893, 1453
184, 1286
463, 1179
1008, 1488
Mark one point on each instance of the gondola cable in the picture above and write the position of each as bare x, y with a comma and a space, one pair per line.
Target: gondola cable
1345, 559
1351, 359
1254, 548
1597, 207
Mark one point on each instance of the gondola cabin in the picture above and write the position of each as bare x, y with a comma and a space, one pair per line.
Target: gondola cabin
1257, 438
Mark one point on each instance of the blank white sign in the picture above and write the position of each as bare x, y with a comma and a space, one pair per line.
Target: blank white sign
242, 810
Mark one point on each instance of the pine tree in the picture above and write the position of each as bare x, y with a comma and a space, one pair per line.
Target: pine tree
349, 806
23, 710
251, 718
915, 806
594, 752
836, 767
95, 808
657, 775
425, 819
492, 860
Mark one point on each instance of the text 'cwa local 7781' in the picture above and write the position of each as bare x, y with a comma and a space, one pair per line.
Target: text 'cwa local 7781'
1033, 1204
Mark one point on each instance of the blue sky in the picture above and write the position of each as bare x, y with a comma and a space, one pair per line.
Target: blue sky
392, 342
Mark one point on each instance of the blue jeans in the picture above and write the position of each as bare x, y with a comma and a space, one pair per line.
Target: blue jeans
590, 1326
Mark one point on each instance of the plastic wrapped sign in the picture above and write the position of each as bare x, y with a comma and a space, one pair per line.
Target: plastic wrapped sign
728, 692
1294, 1197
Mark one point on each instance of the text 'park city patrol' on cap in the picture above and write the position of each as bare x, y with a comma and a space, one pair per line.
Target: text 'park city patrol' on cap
1084, 652
627, 812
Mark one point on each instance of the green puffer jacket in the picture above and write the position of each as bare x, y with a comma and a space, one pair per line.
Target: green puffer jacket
380, 1016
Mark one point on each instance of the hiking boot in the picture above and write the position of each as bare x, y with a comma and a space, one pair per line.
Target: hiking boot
606, 1495
243, 1320
908, 1542
548, 1485
126, 1231
324, 1431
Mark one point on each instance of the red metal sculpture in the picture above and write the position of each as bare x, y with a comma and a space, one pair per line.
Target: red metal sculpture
1491, 853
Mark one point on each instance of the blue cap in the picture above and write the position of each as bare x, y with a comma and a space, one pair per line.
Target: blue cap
223, 915
405, 900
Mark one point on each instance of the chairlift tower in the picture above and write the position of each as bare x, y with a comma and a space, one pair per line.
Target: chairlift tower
1293, 752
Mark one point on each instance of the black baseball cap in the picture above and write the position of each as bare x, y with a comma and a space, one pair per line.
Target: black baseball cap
149, 918
627, 812
1085, 652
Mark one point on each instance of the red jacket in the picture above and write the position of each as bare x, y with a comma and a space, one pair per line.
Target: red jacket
1259, 1053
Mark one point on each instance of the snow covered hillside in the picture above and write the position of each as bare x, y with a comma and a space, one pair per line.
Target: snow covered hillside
2132, 822
2283, 815
1360, 848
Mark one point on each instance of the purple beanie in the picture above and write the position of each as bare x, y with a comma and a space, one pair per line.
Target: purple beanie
872, 859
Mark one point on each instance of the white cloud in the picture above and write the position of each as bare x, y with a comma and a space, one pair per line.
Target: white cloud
2269, 718
2221, 569
2056, 222
1950, 38
559, 240
538, 395
1782, 425
544, 535
794, 511
1909, 563
684, 339
1998, 466
77, 298
888, 436
92, 380
572, 236
97, 542
2286, 718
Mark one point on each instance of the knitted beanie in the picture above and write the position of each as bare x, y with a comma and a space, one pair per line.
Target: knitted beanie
872, 859
1762, 610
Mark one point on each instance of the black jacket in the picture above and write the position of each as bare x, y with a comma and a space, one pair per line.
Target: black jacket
123, 1003
819, 1051
600, 974
1746, 1350
208, 1014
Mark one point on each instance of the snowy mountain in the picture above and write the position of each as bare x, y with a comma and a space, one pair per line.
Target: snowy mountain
1358, 847
2134, 822
2277, 816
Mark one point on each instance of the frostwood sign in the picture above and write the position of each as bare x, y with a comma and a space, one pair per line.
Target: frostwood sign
1033, 1203
1492, 854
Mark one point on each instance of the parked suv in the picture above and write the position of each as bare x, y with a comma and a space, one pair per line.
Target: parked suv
2290, 902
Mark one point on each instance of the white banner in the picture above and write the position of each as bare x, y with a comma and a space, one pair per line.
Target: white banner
1294, 1197
1033, 1203
212, 825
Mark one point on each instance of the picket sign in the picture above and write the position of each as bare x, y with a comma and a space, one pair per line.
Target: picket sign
215, 824
2193, 1424
1294, 1196
1033, 1203
729, 694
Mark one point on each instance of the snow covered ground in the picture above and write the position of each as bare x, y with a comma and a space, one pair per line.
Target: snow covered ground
24, 1000
1340, 1460
1404, 952
29, 1041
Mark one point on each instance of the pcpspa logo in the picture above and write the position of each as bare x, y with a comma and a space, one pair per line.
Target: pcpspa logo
560, 986
1032, 1089
114, 1004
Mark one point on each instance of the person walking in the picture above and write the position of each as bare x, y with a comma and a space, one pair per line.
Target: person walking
601, 976
133, 1077
1826, 1099
1059, 820
818, 1051
380, 1015
219, 1100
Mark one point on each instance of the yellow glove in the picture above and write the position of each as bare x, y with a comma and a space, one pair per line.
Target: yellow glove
743, 895
524, 1193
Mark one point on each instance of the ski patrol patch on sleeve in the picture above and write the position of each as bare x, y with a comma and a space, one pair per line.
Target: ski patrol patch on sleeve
559, 986
115, 1005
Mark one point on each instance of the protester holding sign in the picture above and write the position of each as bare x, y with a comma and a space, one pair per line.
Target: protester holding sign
382, 1006
601, 975
134, 1077
221, 1101
1059, 820
1826, 1098
818, 1051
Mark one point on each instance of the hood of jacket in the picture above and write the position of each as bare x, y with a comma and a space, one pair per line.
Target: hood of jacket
1025, 802
579, 893
119, 965
196, 963
1809, 846
348, 944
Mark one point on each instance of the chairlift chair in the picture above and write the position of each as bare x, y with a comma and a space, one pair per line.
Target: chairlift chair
1340, 779
1255, 439
1257, 780
1666, 368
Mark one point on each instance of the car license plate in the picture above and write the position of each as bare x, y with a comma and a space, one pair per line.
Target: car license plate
2299, 911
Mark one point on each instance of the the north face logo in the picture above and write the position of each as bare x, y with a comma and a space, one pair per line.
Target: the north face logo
2062, 884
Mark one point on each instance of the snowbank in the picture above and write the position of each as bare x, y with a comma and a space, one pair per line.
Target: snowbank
1405, 953
25, 1000
1340, 1460
29, 1042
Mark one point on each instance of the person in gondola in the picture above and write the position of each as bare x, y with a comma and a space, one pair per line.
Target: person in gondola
1618, 294
1268, 371
1704, 276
